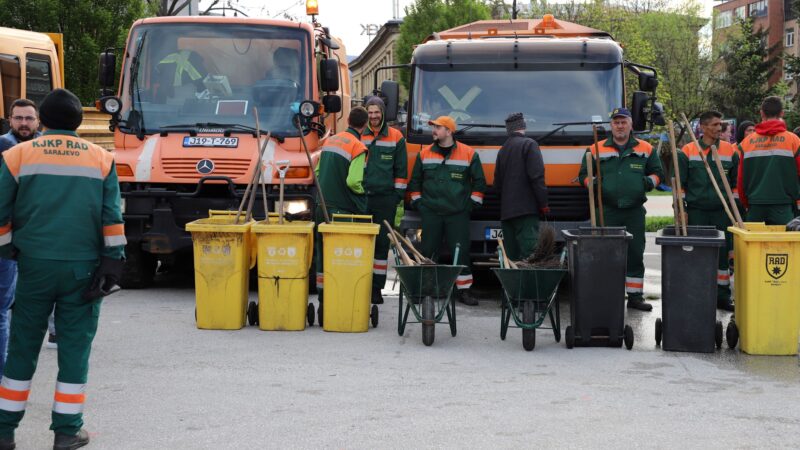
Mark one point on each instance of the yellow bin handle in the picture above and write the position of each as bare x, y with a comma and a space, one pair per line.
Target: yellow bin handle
352, 217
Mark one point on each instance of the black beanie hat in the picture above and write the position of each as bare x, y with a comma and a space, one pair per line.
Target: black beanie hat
515, 122
61, 110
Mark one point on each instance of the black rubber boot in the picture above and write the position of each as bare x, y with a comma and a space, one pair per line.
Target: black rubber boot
725, 305
464, 296
377, 298
70, 442
639, 303
7, 444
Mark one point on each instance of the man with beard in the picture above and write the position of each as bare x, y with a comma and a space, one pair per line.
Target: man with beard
385, 179
447, 183
24, 127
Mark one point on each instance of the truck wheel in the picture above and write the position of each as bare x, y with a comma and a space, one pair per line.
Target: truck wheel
140, 268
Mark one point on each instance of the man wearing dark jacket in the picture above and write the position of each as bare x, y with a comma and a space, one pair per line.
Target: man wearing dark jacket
519, 181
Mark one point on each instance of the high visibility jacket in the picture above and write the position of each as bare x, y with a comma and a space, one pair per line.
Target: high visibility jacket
698, 191
182, 65
59, 199
769, 173
447, 181
627, 174
387, 162
340, 172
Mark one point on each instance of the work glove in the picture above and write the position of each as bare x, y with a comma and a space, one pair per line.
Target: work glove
543, 212
793, 225
648, 184
106, 278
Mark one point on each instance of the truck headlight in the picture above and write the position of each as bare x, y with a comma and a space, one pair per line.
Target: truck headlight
295, 206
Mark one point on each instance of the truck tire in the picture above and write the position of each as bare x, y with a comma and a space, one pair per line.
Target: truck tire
140, 268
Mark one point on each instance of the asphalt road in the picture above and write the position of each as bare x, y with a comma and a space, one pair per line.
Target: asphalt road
158, 382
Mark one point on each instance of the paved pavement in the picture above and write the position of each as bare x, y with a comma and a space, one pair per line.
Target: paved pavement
158, 382
659, 205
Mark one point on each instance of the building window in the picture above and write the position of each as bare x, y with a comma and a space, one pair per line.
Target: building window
739, 13
724, 19
758, 9
789, 39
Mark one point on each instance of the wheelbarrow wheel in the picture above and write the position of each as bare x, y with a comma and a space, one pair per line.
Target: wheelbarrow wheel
628, 337
252, 314
718, 334
310, 313
428, 325
732, 334
373, 316
659, 330
569, 337
528, 334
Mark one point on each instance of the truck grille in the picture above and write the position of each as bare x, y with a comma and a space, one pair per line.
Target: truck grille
187, 168
566, 203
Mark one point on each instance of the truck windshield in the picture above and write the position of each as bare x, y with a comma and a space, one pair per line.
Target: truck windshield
214, 73
478, 99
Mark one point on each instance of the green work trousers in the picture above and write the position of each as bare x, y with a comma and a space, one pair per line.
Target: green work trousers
381, 207
454, 229
520, 235
41, 285
771, 214
633, 221
718, 219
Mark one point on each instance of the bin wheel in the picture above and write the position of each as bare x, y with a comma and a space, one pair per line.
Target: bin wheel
373, 316
319, 314
252, 314
195, 314
428, 325
528, 335
718, 334
628, 337
659, 330
732, 334
310, 314
569, 337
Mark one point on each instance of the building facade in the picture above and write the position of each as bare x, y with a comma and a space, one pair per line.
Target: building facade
379, 52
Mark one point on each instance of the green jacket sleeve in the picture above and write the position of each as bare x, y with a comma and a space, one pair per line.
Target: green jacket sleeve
683, 168
733, 174
415, 184
583, 172
477, 178
113, 229
355, 174
8, 194
653, 169
400, 168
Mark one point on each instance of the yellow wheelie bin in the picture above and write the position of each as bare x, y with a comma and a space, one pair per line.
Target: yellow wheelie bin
348, 251
767, 290
222, 262
284, 258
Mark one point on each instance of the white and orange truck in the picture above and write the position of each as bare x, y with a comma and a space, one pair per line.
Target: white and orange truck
564, 77
184, 124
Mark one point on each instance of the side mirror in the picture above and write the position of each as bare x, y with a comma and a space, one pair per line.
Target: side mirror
332, 103
657, 114
329, 75
390, 91
647, 82
106, 68
639, 110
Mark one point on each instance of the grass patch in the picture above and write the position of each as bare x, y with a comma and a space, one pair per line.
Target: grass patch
652, 224
657, 193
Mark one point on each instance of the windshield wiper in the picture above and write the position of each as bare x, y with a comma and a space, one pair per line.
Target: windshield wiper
482, 125
134, 93
563, 125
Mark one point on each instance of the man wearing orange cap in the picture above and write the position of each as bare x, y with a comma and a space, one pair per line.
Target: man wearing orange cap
447, 183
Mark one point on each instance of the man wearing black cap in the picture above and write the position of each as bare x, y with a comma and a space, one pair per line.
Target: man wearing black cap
69, 239
519, 174
629, 169
385, 180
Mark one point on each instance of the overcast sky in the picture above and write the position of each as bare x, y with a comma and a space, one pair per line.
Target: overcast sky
345, 17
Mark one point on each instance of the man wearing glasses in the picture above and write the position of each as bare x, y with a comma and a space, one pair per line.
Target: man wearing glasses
24, 124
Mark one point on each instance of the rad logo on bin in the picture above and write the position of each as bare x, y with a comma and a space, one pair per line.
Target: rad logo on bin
777, 265
353, 252
281, 251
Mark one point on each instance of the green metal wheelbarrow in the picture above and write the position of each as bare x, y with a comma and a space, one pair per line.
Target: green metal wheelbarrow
428, 293
529, 297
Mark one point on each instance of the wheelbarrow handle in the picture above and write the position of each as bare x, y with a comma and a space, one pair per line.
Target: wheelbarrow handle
455, 254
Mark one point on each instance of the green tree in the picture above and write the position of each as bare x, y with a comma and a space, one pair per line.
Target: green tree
741, 76
88, 26
424, 17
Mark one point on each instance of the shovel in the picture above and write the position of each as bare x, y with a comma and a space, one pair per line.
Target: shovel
281, 167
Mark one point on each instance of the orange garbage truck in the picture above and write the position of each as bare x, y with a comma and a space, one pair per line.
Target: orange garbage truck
184, 124
564, 77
